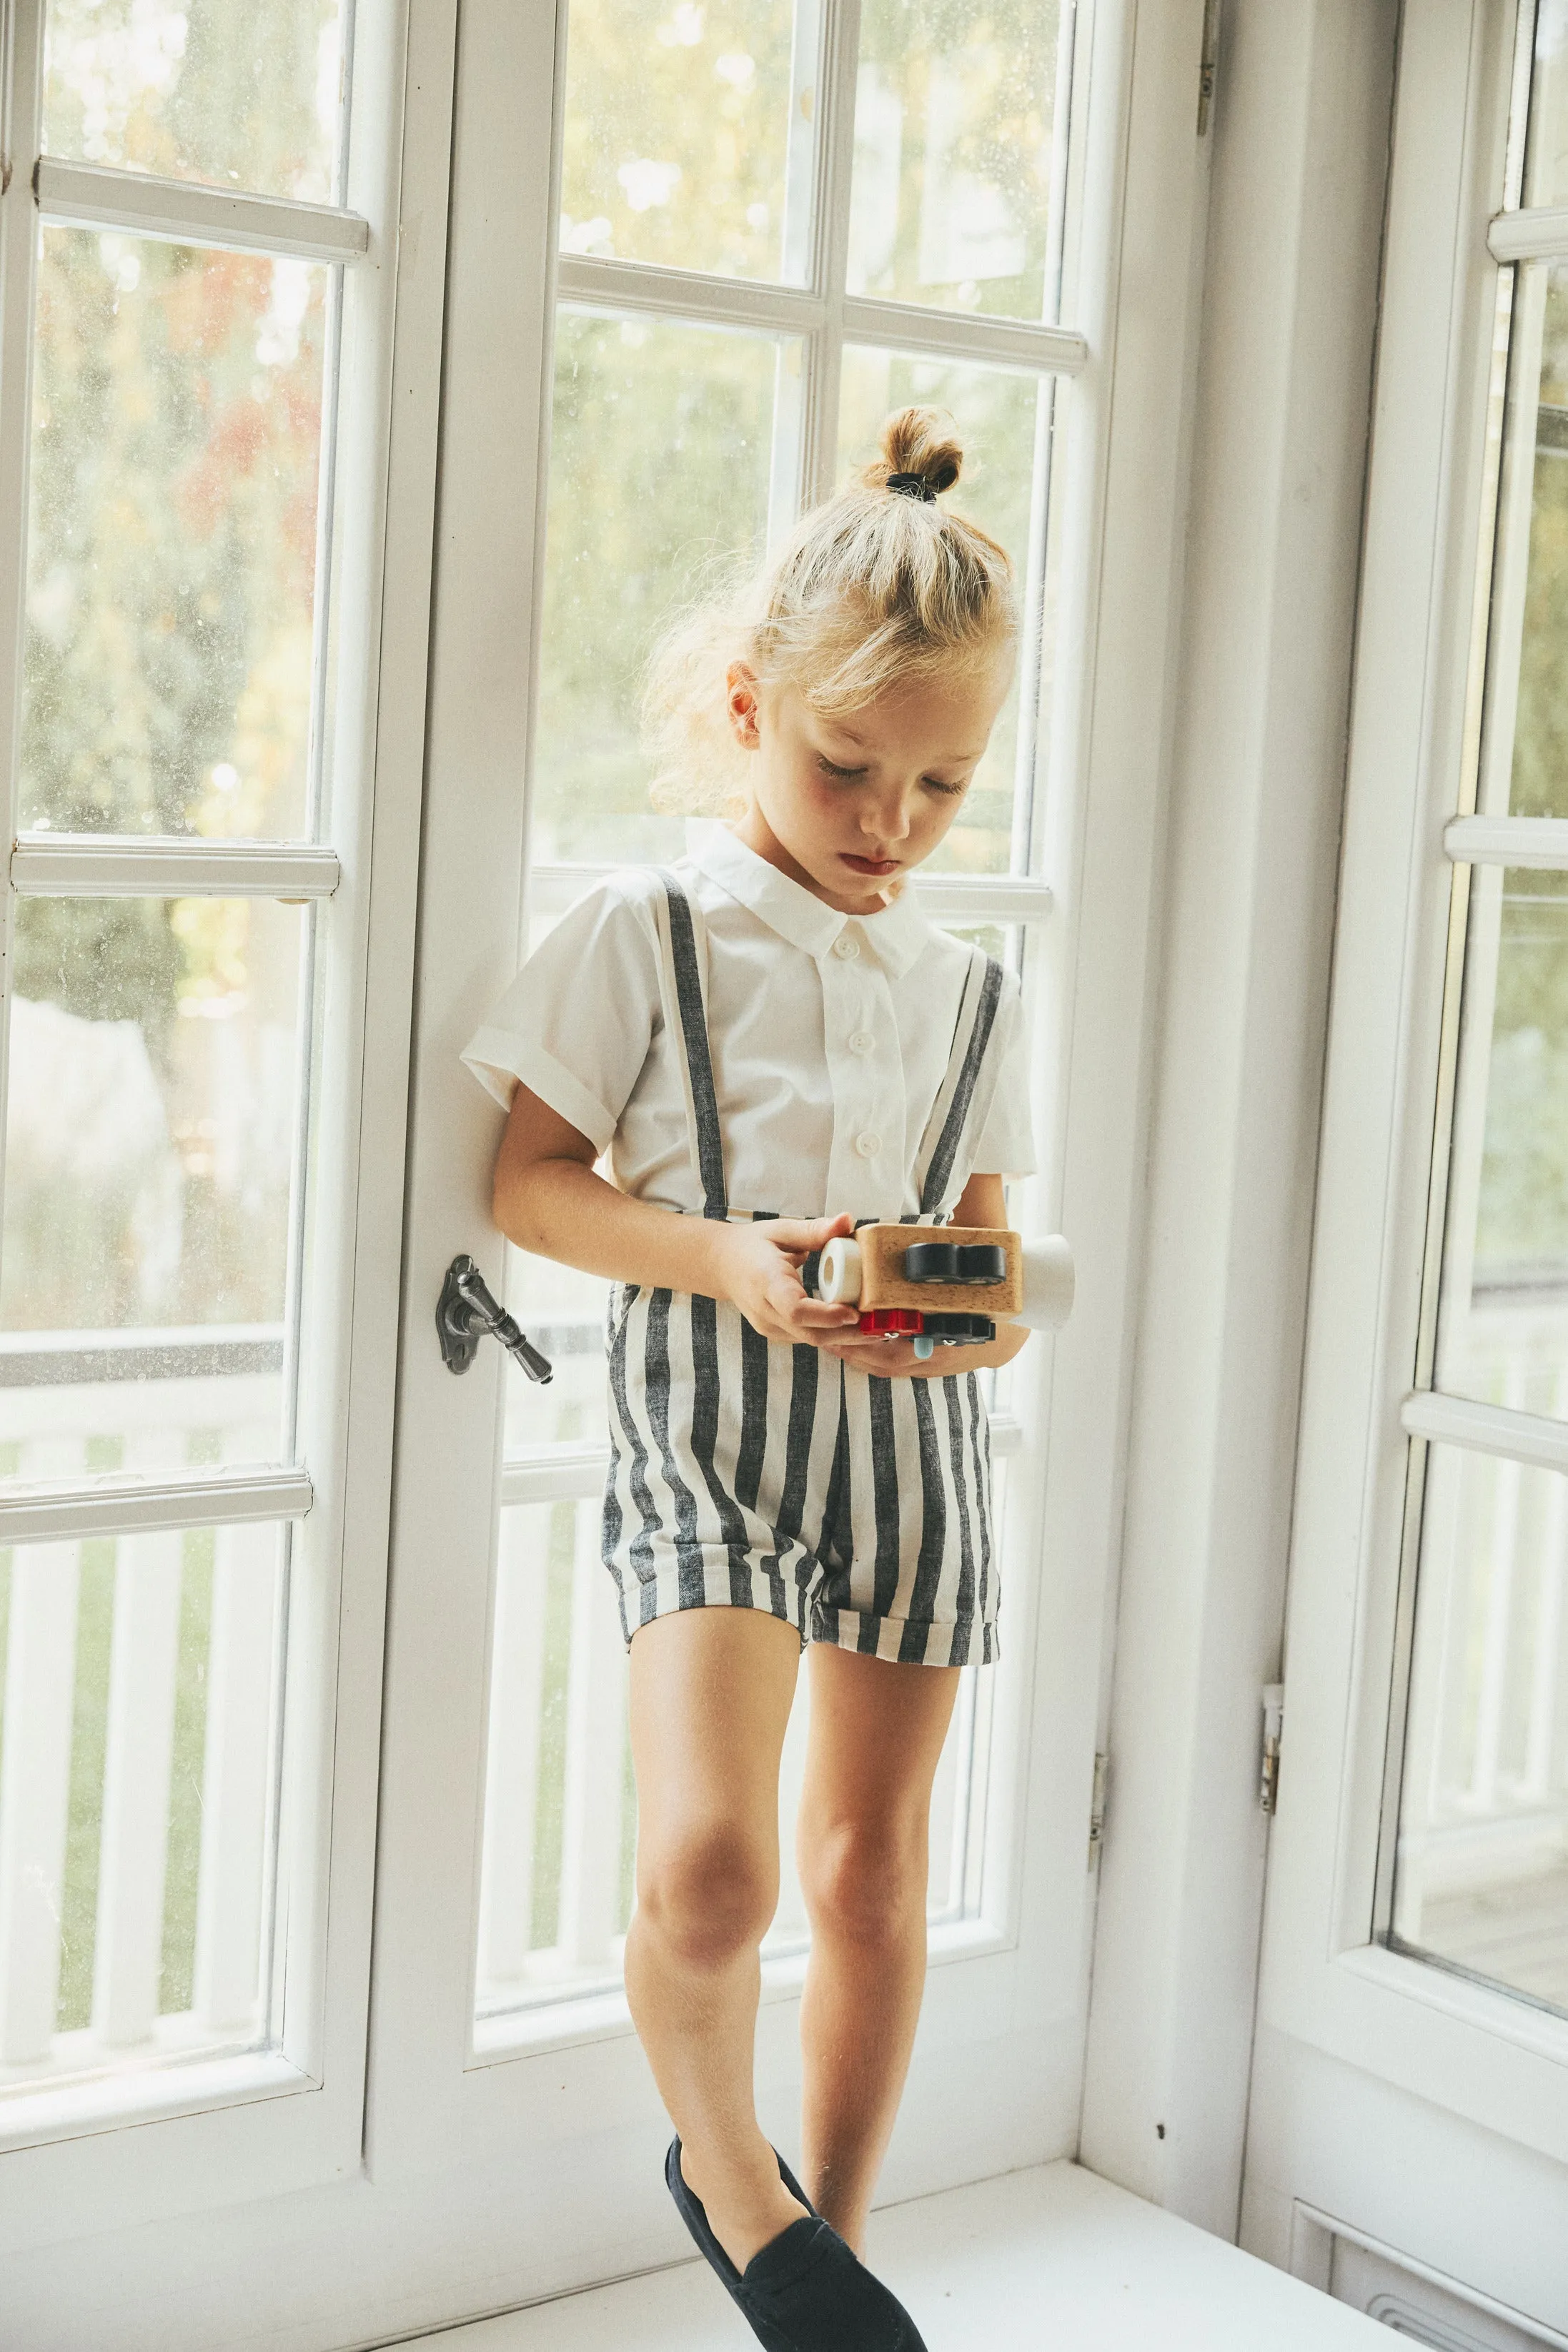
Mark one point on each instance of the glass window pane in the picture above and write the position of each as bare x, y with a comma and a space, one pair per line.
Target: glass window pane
1546, 155
171, 538
560, 1836
1503, 1320
140, 1699
680, 132
1481, 1877
953, 117
1001, 419
661, 464
1528, 654
208, 90
156, 1072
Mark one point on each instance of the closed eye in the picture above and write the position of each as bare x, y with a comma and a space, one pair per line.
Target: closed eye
844, 774
952, 791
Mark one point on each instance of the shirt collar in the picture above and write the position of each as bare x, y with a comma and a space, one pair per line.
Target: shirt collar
896, 934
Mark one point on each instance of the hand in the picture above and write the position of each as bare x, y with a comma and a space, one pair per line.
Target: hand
891, 1358
758, 1269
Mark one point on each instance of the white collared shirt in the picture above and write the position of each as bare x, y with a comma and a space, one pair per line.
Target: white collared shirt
830, 1035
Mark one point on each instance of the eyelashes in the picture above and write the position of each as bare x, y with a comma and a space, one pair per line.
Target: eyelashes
851, 775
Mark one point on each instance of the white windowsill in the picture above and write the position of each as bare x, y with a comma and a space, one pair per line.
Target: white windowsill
1050, 2258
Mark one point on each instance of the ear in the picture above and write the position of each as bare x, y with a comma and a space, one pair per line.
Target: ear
744, 706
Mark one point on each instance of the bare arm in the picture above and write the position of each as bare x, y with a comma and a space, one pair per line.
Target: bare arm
549, 1200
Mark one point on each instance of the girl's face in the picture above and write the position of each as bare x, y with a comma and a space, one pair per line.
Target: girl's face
848, 806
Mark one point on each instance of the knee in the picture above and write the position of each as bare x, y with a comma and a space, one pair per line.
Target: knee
709, 1893
865, 1882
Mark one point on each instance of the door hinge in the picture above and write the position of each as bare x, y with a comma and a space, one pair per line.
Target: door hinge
1273, 1731
1208, 64
1097, 1807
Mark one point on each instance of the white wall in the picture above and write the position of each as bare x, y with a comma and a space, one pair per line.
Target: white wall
1301, 134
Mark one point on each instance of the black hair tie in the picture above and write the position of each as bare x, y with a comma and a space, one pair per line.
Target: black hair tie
912, 486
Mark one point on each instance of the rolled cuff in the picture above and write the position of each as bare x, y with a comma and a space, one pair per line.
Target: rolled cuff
501, 1061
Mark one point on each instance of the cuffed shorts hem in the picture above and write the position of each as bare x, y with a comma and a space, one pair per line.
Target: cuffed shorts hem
719, 1582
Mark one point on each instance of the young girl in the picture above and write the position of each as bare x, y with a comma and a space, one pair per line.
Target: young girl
771, 1043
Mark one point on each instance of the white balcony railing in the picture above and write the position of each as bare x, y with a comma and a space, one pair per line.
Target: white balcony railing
137, 1725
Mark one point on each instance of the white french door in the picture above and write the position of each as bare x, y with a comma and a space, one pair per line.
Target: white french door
205, 1032
768, 224
1410, 2099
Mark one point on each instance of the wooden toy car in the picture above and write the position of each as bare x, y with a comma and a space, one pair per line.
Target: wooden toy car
946, 1284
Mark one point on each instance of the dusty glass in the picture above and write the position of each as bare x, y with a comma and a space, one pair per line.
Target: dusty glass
219, 91
1000, 420
139, 1697
680, 129
953, 142
1481, 1871
172, 539
1546, 151
156, 1069
1525, 759
1503, 1312
660, 461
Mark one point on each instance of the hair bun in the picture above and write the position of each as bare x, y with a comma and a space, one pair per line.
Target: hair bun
921, 442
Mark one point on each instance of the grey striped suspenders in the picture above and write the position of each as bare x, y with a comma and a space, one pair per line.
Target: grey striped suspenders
965, 1091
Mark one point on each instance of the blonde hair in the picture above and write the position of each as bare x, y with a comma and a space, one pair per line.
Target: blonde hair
878, 586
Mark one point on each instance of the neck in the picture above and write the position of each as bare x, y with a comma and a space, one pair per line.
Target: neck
758, 835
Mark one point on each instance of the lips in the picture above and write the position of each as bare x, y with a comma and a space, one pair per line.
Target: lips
877, 866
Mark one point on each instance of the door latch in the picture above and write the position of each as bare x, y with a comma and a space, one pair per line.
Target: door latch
466, 1310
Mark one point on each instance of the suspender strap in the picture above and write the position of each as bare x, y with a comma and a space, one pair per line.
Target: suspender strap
950, 1114
683, 944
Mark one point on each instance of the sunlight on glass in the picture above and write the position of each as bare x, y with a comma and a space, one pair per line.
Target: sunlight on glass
1503, 1322
659, 464
139, 1704
155, 1075
1536, 441
219, 91
953, 116
1481, 1877
1546, 151
997, 416
171, 538
679, 127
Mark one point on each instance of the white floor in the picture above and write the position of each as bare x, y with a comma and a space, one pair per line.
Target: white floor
1053, 2258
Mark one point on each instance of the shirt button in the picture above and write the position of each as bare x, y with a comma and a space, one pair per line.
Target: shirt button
862, 1042
845, 946
868, 1145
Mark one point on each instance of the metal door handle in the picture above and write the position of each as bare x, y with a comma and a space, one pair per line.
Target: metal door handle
466, 1311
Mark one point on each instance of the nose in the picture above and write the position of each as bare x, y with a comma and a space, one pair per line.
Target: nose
886, 819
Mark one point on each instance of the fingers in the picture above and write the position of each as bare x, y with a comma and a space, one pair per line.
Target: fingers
801, 1236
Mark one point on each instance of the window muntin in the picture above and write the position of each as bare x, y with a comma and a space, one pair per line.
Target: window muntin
201, 91
697, 409
1479, 1830
176, 468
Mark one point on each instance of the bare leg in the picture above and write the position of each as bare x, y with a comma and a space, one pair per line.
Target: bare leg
876, 1732
710, 1694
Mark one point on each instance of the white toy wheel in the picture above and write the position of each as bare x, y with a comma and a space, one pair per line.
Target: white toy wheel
1049, 1284
838, 1273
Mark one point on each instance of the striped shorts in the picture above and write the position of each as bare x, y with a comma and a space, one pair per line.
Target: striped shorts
746, 1474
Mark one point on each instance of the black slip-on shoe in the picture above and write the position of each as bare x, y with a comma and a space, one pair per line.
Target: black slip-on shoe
805, 2292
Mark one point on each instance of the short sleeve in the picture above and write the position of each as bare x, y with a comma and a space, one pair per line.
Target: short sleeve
1006, 1143
576, 1023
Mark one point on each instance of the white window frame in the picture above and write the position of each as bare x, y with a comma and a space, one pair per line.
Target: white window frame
1327, 1981
216, 2131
